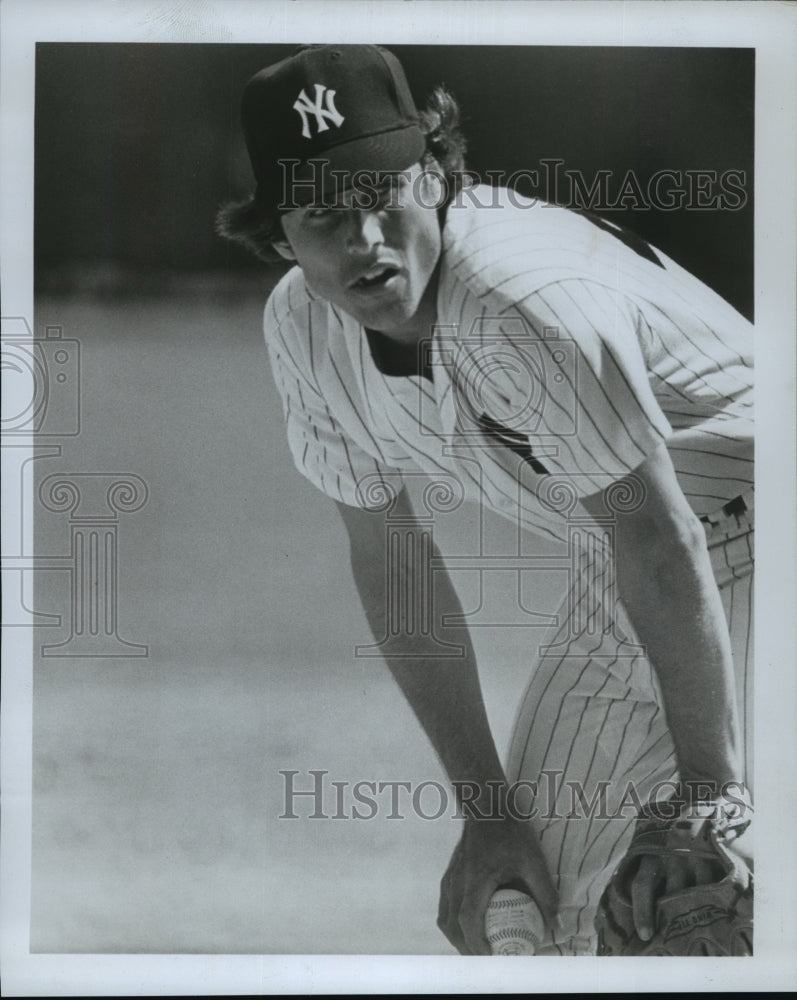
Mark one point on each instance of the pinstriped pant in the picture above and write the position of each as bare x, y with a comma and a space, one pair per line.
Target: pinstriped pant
591, 731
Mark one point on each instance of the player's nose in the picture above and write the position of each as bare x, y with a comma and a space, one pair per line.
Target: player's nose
363, 230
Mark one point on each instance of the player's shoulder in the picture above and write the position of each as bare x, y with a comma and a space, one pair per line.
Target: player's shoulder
296, 323
498, 242
287, 299
294, 314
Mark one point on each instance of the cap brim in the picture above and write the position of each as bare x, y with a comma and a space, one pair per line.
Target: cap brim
318, 179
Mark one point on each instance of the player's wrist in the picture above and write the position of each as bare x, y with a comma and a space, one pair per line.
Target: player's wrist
495, 799
728, 807
696, 791
483, 800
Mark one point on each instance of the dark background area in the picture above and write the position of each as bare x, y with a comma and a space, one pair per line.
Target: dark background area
137, 144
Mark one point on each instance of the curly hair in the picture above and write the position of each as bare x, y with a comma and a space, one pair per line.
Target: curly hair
257, 228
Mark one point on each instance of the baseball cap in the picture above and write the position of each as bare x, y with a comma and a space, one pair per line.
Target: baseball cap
342, 108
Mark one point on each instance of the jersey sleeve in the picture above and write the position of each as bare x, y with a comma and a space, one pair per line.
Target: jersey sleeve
582, 394
322, 449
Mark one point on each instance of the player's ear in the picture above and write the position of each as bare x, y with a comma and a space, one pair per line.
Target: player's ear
433, 191
283, 248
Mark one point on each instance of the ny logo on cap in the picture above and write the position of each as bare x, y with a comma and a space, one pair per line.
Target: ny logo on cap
303, 105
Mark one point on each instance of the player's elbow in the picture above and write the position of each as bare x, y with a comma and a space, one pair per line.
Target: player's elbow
663, 552
675, 533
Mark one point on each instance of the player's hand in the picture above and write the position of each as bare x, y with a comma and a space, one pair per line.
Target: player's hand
659, 877
490, 853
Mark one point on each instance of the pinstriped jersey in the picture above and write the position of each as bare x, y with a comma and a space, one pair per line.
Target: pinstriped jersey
565, 351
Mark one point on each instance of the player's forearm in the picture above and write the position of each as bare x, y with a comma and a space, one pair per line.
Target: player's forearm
668, 588
444, 693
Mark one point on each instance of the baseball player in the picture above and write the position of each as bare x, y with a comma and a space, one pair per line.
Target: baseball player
562, 372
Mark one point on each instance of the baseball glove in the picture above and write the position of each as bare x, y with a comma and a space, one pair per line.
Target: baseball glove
715, 918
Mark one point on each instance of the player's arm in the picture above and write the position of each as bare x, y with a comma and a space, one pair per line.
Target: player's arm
446, 697
666, 583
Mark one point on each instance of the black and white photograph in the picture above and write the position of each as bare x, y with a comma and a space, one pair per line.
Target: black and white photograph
390, 395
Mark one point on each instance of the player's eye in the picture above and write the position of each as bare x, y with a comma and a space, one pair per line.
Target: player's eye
386, 193
391, 189
321, 215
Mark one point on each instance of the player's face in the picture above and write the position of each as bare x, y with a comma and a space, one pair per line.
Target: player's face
378, 263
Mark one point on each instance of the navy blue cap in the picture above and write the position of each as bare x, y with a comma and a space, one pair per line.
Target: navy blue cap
328, 108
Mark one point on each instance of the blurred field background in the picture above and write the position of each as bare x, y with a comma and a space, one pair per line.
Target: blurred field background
156, 780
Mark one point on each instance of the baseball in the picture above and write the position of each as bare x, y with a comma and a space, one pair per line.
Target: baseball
513, 923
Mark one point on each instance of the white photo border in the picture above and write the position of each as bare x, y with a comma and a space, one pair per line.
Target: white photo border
770, 29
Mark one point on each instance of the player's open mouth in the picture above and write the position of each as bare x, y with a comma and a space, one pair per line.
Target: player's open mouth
375, 278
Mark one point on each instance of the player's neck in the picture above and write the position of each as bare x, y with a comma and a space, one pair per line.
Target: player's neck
420, 325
